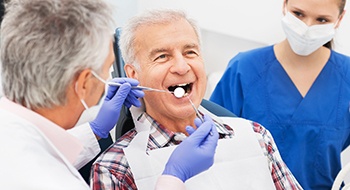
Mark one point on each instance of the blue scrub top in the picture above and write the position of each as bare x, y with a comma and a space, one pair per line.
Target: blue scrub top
310, 132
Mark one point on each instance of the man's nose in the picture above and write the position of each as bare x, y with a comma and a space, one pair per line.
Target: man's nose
180, 65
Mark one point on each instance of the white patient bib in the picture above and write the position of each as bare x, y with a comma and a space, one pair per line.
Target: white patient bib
239, 162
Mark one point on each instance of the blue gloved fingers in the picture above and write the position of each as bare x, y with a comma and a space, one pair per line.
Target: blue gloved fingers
197, 122
132, 101
190, 130
113, 89
127, 104
135, 103
108, 115
201, 132
137, 93
133, 97
121, 94
211, 141
131, 81
111, 92
196, 153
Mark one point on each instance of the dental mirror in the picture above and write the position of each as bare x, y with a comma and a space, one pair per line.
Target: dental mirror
179, 92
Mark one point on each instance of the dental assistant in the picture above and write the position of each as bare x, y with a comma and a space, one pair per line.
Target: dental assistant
299, 89
51, 53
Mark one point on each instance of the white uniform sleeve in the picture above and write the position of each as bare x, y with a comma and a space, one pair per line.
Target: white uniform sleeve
91, 147
168, 182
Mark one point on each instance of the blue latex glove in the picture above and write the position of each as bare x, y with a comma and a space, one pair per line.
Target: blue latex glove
116, 96
196, 153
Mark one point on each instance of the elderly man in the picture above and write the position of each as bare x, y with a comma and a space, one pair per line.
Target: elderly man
53, 55
161, 49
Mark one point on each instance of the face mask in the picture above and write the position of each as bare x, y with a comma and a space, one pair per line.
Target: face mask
304, 39
90, 114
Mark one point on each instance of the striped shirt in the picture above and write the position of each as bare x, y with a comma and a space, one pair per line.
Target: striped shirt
111, 170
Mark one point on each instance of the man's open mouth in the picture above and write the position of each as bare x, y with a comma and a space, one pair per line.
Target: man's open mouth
187, 87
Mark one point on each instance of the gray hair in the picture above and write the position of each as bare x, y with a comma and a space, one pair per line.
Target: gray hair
127, 37
45, 44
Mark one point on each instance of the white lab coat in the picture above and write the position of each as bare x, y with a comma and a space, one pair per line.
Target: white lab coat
32, 159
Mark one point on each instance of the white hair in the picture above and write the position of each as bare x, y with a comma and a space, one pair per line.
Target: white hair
164, 16
45, 44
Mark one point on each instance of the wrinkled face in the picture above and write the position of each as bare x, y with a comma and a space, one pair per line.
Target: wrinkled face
169, 56
313, 12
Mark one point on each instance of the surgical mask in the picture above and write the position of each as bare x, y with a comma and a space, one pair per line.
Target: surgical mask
90, 114
304, 39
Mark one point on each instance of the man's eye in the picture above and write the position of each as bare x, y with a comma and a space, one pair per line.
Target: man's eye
163, 56
191, 53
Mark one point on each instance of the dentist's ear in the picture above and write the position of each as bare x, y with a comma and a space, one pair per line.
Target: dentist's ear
131, 71
82, 83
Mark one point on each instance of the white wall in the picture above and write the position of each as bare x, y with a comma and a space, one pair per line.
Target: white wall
254, 20
217, 50
124, 9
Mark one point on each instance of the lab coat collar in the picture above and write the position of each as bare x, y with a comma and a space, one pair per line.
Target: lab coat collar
66, 144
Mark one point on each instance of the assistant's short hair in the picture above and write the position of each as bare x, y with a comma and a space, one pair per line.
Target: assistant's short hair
151, 17
45, 44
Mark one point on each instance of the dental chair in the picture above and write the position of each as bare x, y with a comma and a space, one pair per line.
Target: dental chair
125, 121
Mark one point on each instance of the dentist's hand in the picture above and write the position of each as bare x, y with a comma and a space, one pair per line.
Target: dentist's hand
116, 96
196, 153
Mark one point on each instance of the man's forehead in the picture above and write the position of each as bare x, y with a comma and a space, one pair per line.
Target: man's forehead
169, 48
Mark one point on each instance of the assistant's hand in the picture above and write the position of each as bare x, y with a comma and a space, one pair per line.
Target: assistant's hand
116, 96
196, 153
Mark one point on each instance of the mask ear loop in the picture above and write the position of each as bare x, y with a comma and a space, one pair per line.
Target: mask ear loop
98, 77
336, 23
81, 100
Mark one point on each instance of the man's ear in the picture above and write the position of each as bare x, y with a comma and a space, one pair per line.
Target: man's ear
83, 83
130, 71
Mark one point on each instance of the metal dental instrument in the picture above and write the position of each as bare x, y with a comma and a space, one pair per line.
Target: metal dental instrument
195, 109
140, 87
198, 114
134, 87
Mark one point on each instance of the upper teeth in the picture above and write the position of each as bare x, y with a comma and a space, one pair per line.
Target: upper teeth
182, 84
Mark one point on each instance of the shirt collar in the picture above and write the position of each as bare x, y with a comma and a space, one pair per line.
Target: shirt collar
66, 144
160, 135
